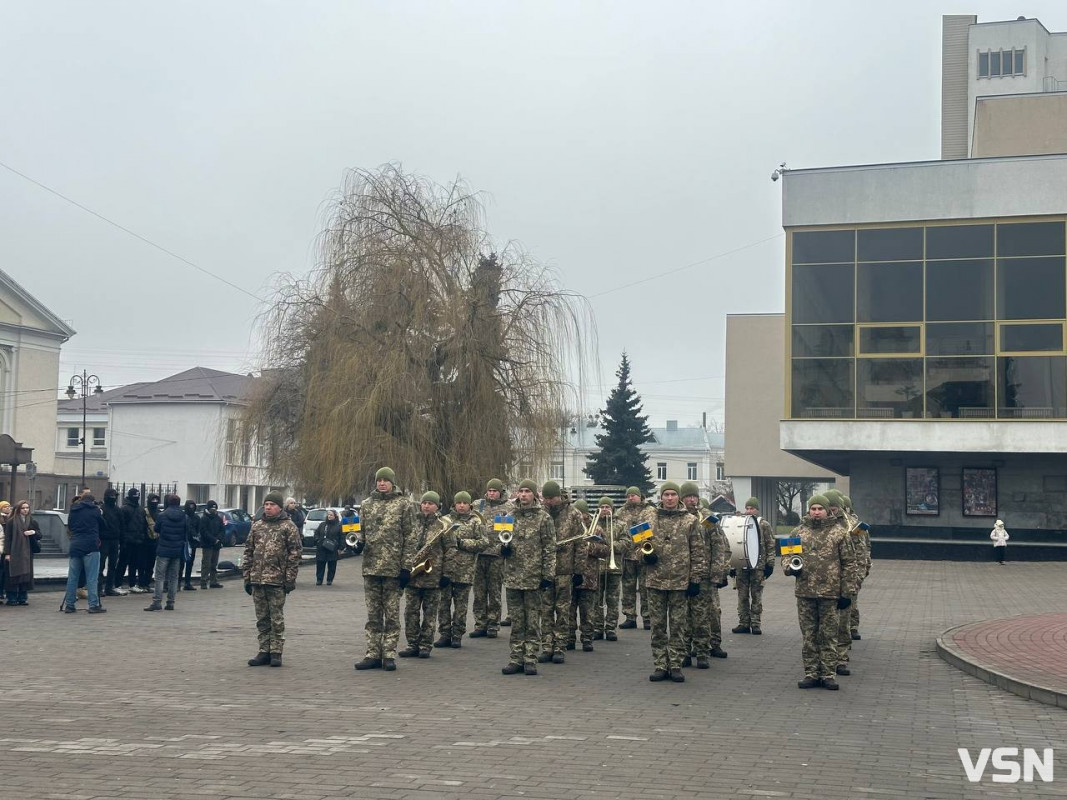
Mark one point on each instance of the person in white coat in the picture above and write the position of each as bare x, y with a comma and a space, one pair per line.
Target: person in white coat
1000, 541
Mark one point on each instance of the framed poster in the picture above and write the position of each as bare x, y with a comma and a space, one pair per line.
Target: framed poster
979, 492
922, 491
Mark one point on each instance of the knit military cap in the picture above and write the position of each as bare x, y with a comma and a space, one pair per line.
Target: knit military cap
606, 501
668, 486
462, 497
434, 497
835, 497
551, 489
274, 497
689, 489
529, 484
634, 490
847, 501
704, 503
495, 484
752, 501
582, 506
819, 500
385, 474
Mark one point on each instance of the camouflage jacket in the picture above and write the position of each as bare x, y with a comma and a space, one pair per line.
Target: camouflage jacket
570, 558
623, 543
471, 539
682, 551
533, 556
628, 516
862, 541
272, 552
717, 548
438, 551
388, 531
829, 560
489, 509
594, 552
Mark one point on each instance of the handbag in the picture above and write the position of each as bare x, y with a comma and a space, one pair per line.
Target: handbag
328, 544
35, 544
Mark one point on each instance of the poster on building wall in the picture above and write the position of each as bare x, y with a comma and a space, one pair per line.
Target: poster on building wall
922, 491
979, 492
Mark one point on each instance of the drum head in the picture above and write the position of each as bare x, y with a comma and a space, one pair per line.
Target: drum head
751, 541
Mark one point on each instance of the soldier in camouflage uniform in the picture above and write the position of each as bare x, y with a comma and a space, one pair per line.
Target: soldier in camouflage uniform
556, 600
489, 571
471, 539
750, 581
844, 634
269, 566
388, 537
673, 572
606, 617
572, 628
435, 543
634, 510
863, 540
704, 607
529, 569
588, 593
824, 588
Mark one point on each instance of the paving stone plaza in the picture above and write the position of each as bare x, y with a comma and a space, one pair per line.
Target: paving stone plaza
135, 705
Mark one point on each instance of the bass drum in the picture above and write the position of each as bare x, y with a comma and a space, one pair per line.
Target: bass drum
742, 532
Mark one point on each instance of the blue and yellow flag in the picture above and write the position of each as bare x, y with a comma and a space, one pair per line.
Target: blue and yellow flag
351, 524
641, 531
792, 546
503, 523
709, 521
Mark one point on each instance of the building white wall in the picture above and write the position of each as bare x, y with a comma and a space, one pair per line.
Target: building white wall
29, 372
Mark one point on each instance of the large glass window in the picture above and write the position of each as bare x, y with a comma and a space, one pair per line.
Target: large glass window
891, 339
822, 387
1031, 338
959, 339
1031, 387
889, 387
959, 387
959, 290
824, 247
889, 292
889, 244
1030, 288
959, 241
1030, 239
822, 293
828, 341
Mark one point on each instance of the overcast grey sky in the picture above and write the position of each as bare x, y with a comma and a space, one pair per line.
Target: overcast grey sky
616, 140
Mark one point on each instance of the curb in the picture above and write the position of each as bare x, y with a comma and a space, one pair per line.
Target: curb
1024, 689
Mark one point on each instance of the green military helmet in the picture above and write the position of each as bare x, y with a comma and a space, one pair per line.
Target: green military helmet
689, 489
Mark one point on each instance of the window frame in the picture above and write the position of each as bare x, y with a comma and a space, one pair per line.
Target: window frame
1006, 68
76, 438
858, 339
661, 470
101, 440
1014, 323
692, 469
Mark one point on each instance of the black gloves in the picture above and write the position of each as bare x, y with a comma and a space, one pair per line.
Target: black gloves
733, 573
576, 581
722, 585
404, 577
843, 603
545, 584
693, 589
248, 588
650, 558
506, 550
445, 581
768, 570
359, 546
289, 589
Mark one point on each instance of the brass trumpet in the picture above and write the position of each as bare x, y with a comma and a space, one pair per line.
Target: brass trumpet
505, 537
647, 548
352, 540
795, 563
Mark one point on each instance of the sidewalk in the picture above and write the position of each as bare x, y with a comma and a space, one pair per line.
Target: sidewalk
1025, 655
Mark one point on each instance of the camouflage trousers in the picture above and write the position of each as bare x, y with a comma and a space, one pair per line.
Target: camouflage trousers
452, 610
714, 615
270, 620
556, 608
749, 596
698, 631
383, 615
854, 614
420, 616
585, 606
669, 613
632, 582
525, 608
819, 625
606, 613
488, 581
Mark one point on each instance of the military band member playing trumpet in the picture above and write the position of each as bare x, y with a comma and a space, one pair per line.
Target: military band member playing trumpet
556, 599
431, 570
471, 539
750, 581
489, 570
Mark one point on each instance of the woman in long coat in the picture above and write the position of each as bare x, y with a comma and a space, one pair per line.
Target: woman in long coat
19, 530
326, 557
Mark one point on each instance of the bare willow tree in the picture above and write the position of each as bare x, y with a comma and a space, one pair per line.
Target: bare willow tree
416, 344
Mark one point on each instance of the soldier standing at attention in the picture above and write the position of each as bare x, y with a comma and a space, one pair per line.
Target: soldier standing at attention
387, 519
529, 569
471, 539
489, 570
606, 617
673, 573
824, 586
750, 581
863, 540
270, 563
572, 627
587, 595
556, 599
844, 631
434, 541
634, 510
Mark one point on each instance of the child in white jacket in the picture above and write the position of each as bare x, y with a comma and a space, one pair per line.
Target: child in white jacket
1000, 541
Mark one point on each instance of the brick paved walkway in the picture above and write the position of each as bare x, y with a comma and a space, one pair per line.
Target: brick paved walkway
135, 705
1026, 655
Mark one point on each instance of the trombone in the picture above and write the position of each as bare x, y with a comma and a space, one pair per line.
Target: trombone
588, 533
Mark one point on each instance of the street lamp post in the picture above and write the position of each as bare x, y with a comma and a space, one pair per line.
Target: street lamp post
83, 382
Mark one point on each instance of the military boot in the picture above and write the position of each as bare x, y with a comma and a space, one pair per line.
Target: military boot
368, 663
389, 664
557, 658
843, 670
275, 659
648, 624
443, 641
506, 622
456, 643
703, 663
612, 636
809, 683
529, 669
411, 651
261, 660
512, 668
741, 629
628, 624
717, 652
831, 684
676, 675
479, 633
856, 636
587, 647
658, 675
598, 636
544, 658
687, 661
757, 630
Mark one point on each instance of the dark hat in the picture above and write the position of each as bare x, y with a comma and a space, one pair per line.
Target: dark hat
634, 490
212, 504
689, 489
819, 500
462, 497
529, 484
274, 497
752, 501
668, 486
582, 506
551, 489
431, 497
133, 493
385, 474
495, 484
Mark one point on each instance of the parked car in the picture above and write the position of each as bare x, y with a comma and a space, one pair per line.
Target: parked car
237, 523
315, 518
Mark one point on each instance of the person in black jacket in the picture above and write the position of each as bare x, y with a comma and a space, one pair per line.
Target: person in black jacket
86, 532
172, 528
110, 536
134, 538
328, 542
194, 539
153, 510
212, 535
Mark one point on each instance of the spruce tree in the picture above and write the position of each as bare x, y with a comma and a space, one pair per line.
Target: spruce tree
620, 460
